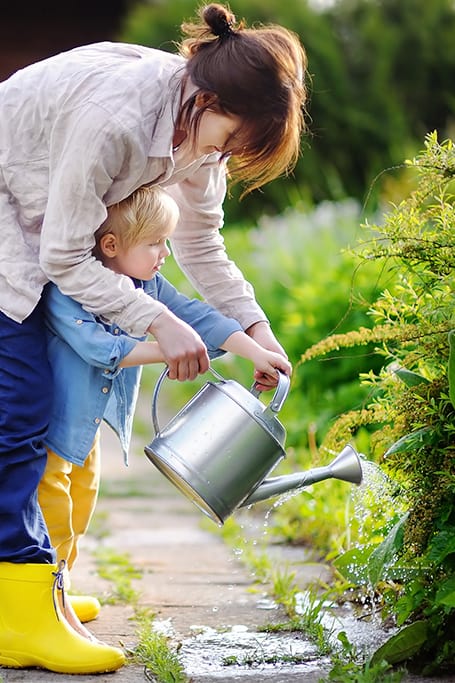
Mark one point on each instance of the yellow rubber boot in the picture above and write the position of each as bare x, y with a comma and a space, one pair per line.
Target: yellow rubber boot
86, 607
34, 631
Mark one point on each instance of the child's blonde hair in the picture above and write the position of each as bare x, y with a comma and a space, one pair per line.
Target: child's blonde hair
148, 213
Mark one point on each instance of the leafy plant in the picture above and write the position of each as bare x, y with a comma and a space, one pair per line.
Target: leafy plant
413, 410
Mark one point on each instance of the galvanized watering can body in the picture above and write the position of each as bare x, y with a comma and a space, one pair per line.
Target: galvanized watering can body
220, 447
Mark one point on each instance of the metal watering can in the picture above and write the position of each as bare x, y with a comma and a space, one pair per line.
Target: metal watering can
220, 447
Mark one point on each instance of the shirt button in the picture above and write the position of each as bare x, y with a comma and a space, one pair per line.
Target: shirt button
106, 371
97, 420
116, 331
79, 322
105, 390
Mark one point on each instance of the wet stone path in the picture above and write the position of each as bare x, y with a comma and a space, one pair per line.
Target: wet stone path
199, 592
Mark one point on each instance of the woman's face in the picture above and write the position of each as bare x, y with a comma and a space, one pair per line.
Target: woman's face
216, 130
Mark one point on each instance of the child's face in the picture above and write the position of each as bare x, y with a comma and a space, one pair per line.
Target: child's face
142, 260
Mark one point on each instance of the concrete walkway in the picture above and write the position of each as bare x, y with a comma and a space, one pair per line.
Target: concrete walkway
191, 581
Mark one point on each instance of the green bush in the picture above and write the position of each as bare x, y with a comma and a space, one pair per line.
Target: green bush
414, 412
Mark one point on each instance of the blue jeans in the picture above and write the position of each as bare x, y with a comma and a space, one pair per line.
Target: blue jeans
25, 402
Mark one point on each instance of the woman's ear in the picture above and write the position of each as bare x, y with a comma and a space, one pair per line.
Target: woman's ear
207, 100
108, 245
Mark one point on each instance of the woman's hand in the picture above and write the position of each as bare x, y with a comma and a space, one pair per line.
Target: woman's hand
184, 351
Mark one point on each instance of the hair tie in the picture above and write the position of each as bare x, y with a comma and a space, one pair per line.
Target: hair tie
227, 30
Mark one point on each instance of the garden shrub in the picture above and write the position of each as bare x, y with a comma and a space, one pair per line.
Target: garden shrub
413, 410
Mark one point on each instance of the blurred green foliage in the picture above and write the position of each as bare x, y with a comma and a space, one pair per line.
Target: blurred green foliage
382, 76
309, 284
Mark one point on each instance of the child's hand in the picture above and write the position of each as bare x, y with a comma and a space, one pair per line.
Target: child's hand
266, 365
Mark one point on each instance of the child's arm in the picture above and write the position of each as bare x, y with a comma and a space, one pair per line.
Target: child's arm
144, 352
265, 361
239, 343
217, 332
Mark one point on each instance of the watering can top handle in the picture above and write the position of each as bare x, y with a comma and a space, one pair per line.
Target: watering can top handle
156, 391
275, 404
280, 394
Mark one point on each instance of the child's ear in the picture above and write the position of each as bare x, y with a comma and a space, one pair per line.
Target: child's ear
108, 245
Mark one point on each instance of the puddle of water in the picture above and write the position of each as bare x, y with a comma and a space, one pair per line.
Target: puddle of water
242, 651
238, 653
366, 634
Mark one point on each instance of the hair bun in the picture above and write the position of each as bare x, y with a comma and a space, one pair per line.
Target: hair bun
219, 19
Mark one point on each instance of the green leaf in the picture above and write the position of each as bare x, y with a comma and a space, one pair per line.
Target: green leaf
403, 645
442, 545
411, 379
446, 593
451, 367
352, 565
421, 437
384, 554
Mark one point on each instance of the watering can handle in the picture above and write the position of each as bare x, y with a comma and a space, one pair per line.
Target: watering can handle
275, 405
156, 391
280, 394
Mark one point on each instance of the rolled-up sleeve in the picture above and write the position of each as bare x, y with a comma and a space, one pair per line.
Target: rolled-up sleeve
75, 209
98, 347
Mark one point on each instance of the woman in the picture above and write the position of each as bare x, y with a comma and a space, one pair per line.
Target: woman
80, 132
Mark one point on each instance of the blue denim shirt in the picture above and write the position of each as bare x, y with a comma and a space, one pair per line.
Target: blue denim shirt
85, 353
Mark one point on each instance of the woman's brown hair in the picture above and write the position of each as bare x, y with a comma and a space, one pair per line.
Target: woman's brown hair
257, 74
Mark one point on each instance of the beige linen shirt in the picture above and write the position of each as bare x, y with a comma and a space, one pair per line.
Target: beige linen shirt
79, 132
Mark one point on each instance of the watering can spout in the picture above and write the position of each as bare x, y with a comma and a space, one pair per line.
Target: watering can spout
346, 467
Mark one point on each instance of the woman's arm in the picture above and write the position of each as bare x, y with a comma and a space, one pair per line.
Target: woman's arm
198, 245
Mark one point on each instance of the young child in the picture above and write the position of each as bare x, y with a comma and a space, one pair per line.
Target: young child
96, 366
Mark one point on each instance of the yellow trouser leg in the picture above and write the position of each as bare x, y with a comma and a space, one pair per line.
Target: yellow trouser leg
67, 495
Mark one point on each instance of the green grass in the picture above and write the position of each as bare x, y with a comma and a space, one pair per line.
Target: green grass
155, 652
118, 570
